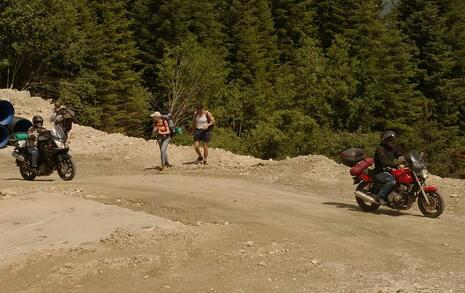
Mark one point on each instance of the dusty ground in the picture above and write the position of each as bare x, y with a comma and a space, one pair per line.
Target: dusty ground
237, 225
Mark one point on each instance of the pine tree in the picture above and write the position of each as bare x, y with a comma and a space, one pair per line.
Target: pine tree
341, 86
332, 18
160, 25
123, 101
78, 87
254, 57
311, 91
434, 27
386, 90
455, 38
254, 52
424, 23
107, 89
293, 21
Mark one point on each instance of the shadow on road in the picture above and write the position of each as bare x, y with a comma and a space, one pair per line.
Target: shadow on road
356, 208
158, 168
190, 163
35, 180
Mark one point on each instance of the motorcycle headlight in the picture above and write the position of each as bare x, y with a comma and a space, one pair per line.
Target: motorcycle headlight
424, 174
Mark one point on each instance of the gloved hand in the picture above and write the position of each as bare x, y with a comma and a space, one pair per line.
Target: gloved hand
401, 166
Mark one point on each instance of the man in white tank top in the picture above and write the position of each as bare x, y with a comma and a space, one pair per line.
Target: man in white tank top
202, 125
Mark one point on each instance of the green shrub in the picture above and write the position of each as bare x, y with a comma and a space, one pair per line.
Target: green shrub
285, 133
224, 138
186, 138
331, 143
227, 139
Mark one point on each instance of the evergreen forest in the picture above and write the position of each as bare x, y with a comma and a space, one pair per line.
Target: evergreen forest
283, 78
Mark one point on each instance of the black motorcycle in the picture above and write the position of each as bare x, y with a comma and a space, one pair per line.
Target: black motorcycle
53, 155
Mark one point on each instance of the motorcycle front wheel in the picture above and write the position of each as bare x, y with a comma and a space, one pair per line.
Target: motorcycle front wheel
67, 169
26, 171
436, 205
366, 206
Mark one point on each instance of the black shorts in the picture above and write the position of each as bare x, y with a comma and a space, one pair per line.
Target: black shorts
202, 135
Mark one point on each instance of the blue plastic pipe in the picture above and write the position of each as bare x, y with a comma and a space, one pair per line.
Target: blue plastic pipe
19, 124
7, 113
3, 136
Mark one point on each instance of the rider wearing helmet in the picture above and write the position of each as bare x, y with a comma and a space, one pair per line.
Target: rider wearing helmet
34, 132
386, 157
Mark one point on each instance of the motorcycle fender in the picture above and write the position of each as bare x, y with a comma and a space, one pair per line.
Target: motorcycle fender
431, 188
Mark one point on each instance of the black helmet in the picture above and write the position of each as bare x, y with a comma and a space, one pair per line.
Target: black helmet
36, 120
388, 135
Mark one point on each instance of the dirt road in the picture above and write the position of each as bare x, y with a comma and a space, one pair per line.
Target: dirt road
229, 231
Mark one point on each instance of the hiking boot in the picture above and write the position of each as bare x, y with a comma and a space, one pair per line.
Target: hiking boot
168, 165
205, 163
199, 160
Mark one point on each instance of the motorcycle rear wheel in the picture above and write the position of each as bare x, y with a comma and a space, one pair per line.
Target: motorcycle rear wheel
26, 171
368, 207
436, 206
67, 169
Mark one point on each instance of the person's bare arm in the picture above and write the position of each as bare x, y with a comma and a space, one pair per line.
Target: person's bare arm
211, 119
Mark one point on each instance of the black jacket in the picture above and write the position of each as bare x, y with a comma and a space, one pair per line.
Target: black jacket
385, 157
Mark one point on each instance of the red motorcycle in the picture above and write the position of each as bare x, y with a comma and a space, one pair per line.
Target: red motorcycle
411, 185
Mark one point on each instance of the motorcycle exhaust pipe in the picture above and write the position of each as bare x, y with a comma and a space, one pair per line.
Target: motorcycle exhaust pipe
365, 197
18, 156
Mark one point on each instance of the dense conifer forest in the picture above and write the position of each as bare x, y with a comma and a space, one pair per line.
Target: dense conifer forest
282, 77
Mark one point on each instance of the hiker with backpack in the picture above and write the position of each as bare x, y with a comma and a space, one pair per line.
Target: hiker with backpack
161, 129
202, 125
63, 119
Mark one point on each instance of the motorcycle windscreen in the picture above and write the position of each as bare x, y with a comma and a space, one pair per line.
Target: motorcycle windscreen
58, 132
416, 161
